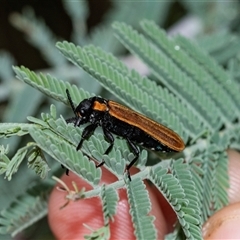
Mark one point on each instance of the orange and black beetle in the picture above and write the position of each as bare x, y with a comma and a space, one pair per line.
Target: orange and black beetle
117, 119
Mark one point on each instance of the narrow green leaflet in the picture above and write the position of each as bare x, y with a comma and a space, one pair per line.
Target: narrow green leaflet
220, 75
170, 75
12, 129
26, 210
197, 173
121, 85
139, 209
38, 163
109, 200
9, 167
191, 220
215, 182
4, 160
221, 180
192, 124
49, 85
66, 154
199, 74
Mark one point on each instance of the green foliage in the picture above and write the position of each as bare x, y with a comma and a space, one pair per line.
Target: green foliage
9, 167
109, 198
166, 71
191, 68
49, 85
221, 45
26, 210
119, 83
190, 220
11, 129
38, 163
139, 209
190, 94
45, 41
179, 190
210, 65
65, 152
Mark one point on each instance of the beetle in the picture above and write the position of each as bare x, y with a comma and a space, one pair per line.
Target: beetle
122, 121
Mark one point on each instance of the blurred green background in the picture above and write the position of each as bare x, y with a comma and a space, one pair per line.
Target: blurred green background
29, 30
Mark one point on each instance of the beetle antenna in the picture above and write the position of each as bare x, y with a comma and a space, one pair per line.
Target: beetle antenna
70, 101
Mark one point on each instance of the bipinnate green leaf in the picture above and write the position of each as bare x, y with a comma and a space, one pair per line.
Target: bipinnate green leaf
170, 75
220, 75
110, 199
215, 182
139, 209
10, 167
38, 163
190, 94
12, 129
191, 67
192, 124
66, 153
191, 220
120, 83
50, 86
26, 210
221, 179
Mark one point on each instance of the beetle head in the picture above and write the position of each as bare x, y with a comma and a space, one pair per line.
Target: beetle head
83, 111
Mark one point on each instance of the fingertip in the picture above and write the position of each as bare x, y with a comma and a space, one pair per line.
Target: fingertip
224, 224
67, 223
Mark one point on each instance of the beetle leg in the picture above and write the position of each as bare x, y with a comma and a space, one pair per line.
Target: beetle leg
71, 120
110, 139
135, 151
70, 101
67, 170
87, 131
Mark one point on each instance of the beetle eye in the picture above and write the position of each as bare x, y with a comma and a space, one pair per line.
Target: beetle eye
82, 111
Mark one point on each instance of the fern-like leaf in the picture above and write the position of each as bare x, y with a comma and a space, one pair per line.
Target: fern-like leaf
191, 123
171, 76
9, 167
50, 86
178, 188
29, 208
222, 45
209, 170
221, 182
121, 85
67, 155
218, 94
109, 198
221, 76
38, 163
12, 129
191, 220
139, 210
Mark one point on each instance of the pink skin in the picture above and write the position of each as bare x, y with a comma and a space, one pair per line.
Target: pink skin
67, 223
